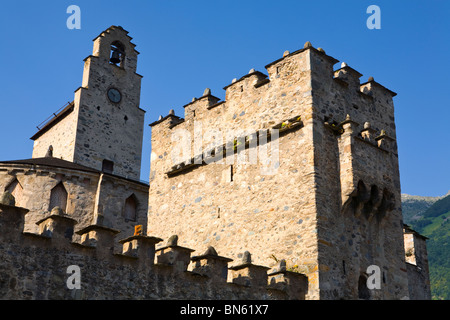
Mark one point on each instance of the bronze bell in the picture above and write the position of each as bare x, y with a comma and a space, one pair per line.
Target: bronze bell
115, 57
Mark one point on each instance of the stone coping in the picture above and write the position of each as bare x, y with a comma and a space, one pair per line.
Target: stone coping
24, 211
211, 256
95, 228
277, 272
257, 73
58, 216
247, 265
176, 247
145, 238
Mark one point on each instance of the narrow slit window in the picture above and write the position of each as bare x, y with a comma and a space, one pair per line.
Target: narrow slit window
130, 208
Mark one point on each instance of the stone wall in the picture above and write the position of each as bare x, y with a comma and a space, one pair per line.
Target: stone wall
61, 138
35, 266
92, 197
417, 265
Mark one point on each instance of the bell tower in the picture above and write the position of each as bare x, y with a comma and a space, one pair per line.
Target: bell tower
103, 128
110, 122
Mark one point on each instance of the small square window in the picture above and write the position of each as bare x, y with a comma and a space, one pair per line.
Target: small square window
108, 166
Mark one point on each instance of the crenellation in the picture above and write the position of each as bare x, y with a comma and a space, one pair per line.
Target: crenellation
349, 76
99, 237
57, 226
11, 217
251, 80
140, 246
322, 67
373, 88
212, 265
174, 255
386, 142
368, 133
95, 256
293, 283
248, 274
198, 108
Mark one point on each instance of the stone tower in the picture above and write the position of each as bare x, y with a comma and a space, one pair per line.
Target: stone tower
332, 206
103, 127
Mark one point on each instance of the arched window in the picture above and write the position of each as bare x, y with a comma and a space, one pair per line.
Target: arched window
58, 197
16, 189
130, 208
117, 56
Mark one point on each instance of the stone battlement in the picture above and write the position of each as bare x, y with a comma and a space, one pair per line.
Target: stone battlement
302, 83
299, 67
139, 271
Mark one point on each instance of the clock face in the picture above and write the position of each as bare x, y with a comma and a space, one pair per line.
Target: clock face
114, 95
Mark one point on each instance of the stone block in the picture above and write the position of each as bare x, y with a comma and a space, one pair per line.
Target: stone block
212, 265
58, 226
142, 247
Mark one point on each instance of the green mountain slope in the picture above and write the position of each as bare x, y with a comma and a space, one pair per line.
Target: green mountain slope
434, 223
413, 207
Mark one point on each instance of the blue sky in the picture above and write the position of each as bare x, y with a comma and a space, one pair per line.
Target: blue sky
187, 46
